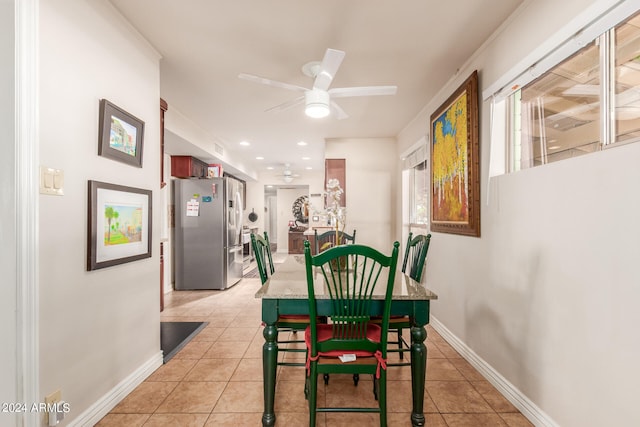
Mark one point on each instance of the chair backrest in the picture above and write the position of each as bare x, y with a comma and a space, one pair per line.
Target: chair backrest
330, 237
350, 274
262, 253
416, 253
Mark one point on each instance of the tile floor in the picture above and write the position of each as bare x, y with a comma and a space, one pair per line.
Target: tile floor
216, 379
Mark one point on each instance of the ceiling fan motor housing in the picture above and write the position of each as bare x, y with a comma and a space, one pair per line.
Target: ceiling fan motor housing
316, 103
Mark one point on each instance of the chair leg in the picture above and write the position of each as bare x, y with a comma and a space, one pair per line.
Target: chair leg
313, 394
356, 379
375, 387
326, 379
400, 343
382, 398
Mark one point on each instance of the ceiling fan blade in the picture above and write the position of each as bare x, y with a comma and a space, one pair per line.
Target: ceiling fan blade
269, 82
343, 92
340, 113
328, 68
286, 105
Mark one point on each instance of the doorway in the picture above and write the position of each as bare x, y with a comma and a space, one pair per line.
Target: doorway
278, 202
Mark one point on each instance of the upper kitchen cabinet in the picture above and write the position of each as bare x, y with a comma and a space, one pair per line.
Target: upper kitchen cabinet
188, 167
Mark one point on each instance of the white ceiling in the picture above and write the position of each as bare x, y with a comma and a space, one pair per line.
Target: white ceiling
415, 44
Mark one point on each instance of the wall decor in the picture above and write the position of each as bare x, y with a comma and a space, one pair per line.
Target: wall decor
455, 182
119, 225
120, 134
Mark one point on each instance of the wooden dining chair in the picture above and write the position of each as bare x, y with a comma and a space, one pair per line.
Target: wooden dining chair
286, 323
413, 265
321, 240
350, 274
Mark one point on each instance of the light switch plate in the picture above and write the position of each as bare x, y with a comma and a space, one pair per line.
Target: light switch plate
51, 181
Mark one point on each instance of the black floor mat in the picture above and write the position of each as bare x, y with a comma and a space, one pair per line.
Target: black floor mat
175, 335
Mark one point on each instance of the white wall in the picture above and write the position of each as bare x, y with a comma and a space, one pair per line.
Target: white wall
98, 327
372, 177
547, 296
8, 352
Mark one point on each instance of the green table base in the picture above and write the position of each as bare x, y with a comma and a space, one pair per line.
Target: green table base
417, 310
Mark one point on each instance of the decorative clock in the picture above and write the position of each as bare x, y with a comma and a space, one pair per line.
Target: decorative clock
300, 209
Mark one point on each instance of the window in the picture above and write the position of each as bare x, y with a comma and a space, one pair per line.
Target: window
416, 183
588, 101
419, 200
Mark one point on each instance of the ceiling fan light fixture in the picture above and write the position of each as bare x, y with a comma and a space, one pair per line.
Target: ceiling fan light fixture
316, 103
287, 179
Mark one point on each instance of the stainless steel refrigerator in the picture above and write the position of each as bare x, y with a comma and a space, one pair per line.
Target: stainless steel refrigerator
208, 233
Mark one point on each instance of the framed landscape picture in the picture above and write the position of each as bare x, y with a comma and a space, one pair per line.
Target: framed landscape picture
121, 134
455, 177
119, 225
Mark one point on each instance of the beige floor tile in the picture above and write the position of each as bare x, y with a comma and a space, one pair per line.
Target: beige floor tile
456, 396
146, 398
241, 397
233, 333
119, 420
250, 370
174, 370
236, 420
291, 419
516, 420
290, 373
194, 350
497, 401
400, 398
474, 420
173, 420
227, 350
447, 350
341, 393
468, 371
210, 333
347, 419
433, 352
192, 397
290, 397
255, 347
443, 370
213, 370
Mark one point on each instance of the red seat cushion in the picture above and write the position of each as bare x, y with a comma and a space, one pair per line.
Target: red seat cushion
325, 333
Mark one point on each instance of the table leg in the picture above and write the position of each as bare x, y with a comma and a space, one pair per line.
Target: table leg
418, 373
269, 365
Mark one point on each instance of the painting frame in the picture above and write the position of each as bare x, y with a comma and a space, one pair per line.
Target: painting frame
132, 240
455, 172
114, 128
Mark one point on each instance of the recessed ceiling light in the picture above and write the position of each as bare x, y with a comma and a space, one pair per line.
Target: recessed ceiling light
301, 143
270, 167
308, 168
259, 158
245, 143
306, 158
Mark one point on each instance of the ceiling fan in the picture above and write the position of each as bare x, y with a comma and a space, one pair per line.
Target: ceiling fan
318, 99
286, 175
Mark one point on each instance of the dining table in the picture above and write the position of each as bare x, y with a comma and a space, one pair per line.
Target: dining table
286, 293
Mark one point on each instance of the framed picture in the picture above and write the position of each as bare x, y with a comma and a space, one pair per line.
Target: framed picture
119, 225
455, 177
120, 135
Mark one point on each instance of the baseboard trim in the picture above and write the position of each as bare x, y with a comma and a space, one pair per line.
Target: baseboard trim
529, 409
106, 403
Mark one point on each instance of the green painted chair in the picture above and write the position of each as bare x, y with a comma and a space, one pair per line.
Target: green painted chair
286, 323
350, 274
329, 237
413, 265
